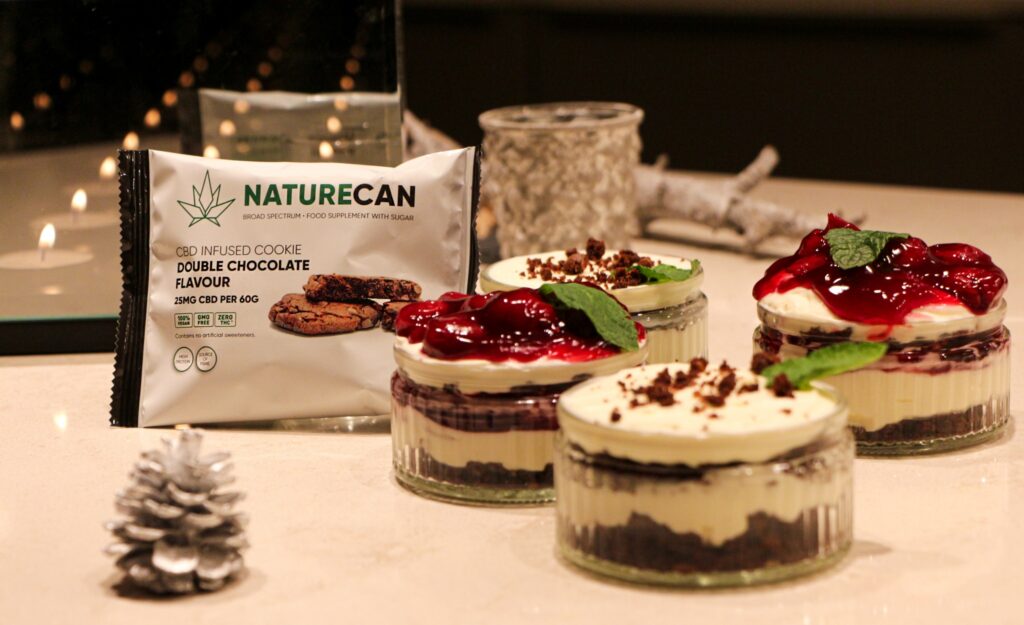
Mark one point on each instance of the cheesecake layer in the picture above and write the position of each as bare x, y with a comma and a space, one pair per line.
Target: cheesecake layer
528, 450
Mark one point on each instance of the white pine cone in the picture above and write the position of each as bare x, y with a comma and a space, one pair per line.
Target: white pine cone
181, 533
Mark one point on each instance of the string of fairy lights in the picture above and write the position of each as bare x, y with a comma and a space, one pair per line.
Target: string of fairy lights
21, 120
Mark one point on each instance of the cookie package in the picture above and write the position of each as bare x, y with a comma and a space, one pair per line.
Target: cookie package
256, 291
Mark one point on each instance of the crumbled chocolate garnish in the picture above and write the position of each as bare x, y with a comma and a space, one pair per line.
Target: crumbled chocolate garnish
727, 384
616, 415
787, 411
748, 388
781, 386
714, 400
698, 365
574, 264
660, 394
712, 416
762, 361
664, 378
594, 266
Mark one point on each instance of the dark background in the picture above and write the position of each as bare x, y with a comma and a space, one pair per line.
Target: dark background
919, 99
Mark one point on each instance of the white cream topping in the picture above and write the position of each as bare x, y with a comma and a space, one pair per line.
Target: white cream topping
716, 508
476, 375
801, 310
751, 426
527, 450
511, 273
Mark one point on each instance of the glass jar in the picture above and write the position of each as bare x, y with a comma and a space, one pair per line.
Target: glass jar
732, 524
676, 333
484, 447
942, 385
558, 173
479, 431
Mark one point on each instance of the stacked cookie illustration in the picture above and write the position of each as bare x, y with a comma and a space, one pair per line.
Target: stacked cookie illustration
337, 304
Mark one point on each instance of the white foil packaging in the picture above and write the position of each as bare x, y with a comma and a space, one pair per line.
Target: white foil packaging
210, 247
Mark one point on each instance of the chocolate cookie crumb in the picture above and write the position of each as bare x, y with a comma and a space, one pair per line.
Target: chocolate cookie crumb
762, 361
595, 249
781, 386
698, 365
616, 415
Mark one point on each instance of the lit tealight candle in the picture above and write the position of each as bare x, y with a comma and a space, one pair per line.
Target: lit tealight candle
108, 168
333, 124
79, 202
47, 238
241, 107
326, 150
17, 121
131, 141
211, 151
152, 118
226, 128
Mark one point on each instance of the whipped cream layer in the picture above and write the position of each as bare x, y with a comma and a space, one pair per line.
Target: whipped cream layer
476, 375
512, 273
527, 450
716, 507
801, 311
752, 426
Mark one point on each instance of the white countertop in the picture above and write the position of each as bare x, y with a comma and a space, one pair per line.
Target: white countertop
939, 539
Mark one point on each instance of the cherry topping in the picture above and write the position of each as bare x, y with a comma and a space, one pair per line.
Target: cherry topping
515, 325
907, 275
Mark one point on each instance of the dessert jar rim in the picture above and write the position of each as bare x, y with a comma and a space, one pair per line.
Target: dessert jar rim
497, 378
774, 319
504, 118
667, 446
639, 298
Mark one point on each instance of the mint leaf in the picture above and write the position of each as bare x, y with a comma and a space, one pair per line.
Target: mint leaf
827, 361
609, 319
855, 248
667, 273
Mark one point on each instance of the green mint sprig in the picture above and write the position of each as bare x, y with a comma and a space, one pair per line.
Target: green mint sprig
825, 362
609, 319
855, 248
667, 273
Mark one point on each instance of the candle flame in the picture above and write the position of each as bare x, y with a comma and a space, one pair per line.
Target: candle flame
79, 201
131, 141
341, 104
347, 83
241, 107
226, 128
326, 150
17, 121
333, 124
152, 118
170, 98
211, 151
47, 237
108, 168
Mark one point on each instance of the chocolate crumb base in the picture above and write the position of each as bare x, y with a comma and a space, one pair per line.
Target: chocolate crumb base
803, 461
978, 419
647, 545
485, 475
481, 412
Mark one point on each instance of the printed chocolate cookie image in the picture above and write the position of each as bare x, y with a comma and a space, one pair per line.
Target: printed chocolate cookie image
333, 288
297, 313
389, 312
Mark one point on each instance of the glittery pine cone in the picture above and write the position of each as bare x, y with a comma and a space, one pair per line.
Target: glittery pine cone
181, 534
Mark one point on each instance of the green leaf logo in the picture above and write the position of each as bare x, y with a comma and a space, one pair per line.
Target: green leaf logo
205, 204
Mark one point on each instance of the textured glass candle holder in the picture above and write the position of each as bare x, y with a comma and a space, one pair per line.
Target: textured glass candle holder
558, 173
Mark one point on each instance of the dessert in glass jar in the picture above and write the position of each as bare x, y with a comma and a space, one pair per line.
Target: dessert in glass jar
661, 292
473, 398
939, 309
702, 476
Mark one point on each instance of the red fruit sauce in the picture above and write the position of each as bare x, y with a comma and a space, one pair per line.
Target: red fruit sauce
513, 325
907, 275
